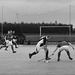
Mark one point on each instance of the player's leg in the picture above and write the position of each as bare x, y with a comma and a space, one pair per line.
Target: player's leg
14, 42
38, 47
66, 48
34, 53
59, 53
16, 46
6, 48
2, 46
12, 47
68, 53
6, 44
46, 53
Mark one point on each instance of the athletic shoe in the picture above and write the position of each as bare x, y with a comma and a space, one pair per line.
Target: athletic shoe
48, 58
71, 58
58, 60
14, 51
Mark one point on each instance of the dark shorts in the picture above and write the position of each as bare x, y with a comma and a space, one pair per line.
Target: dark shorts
41, 44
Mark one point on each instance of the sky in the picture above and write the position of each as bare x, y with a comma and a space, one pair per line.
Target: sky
38, 11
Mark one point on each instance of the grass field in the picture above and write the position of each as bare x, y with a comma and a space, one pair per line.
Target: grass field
20, 64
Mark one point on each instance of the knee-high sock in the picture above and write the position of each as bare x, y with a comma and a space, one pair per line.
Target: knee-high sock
34, 53
68, 53
46, 54
59, 53
12, 48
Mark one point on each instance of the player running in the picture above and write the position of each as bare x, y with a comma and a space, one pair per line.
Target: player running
64, 45
8, 41
42, 44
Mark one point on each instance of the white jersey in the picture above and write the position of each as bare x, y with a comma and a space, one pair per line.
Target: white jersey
40, 45
8, 40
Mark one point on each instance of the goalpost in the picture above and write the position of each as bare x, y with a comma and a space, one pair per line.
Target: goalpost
49, 27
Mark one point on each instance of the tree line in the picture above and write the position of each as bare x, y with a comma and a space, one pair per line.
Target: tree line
30, 28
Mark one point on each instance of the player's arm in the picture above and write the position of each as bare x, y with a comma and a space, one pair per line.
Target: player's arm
71, 45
